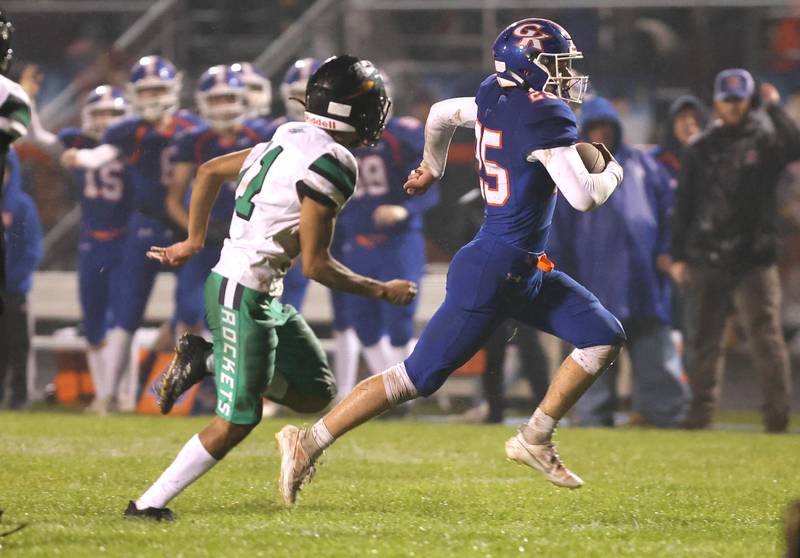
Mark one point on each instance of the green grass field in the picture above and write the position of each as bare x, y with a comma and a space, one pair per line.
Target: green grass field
396, 489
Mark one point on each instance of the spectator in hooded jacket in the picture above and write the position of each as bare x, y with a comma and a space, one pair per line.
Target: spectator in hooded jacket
687, 117
626, 265
724, 242
23, 237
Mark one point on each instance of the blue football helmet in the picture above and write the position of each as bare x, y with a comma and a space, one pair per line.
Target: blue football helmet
154, 74
536, 54
221, 97
293, 87
259, 89
104, 106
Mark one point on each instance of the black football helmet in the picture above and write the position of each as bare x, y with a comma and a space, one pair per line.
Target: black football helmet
6, 31
347, 94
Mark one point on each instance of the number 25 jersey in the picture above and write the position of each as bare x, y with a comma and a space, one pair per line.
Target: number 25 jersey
300, 161
520, 195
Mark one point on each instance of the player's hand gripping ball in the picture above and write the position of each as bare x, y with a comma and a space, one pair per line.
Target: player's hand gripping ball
593, 157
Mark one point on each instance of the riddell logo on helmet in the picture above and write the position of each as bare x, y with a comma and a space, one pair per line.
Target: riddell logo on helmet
321, 122
531, 35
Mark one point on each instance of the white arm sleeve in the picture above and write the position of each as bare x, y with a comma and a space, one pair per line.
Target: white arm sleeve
96, 157
584, 191
443, 119
38, 134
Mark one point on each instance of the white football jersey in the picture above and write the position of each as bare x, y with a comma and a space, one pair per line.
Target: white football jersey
15, 109
301, 160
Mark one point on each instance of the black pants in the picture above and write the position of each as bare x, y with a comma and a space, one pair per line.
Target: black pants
533, 366
15, 345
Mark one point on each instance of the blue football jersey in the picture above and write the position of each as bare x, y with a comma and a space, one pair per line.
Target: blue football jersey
520, 196
382, 171
148, 155
200, 144
105, 198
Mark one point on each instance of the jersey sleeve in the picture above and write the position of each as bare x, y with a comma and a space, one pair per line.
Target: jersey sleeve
552, 124
68, 137
330, 179
121, 136
15, 111
184, 144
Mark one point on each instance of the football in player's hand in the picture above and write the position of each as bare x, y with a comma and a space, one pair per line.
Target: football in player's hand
592, 157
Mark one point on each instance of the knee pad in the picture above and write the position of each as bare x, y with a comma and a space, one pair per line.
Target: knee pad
594, 360
398, 385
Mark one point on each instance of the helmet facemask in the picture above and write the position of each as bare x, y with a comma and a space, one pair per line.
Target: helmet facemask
6, 53
153, 107
95, 120
562, 80
224, 107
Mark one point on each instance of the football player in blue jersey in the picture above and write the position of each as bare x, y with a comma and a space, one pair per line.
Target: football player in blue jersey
105, 209
526, 135
143, 142
382, 228
258, 92
222, 101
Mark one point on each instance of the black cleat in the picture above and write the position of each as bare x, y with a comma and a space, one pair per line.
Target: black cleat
187, 368
159, 514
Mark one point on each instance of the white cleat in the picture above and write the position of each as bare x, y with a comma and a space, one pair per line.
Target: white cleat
297, 468
543, 458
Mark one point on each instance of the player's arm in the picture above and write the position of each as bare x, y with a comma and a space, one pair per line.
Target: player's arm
181, 176
210, 177
90, 159
584, 191
317, 217
443, 119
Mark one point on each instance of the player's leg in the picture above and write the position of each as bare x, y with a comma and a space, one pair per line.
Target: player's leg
189, 308
94, 288
758, 299
137, 276
660, 393
406, 260
596, 407
455, 332
567, 310
244, 355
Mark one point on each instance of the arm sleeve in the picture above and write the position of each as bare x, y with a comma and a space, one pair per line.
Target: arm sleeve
443, 119
665, 204
583, 191
787, 136
682, 215
97, 157
38, 134
331, 176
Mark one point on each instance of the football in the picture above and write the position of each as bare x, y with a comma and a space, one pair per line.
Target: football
591, 157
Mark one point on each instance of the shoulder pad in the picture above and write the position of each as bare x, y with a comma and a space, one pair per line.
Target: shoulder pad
119, 132
542, 107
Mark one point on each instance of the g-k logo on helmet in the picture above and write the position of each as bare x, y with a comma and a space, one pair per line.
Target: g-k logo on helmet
531, 35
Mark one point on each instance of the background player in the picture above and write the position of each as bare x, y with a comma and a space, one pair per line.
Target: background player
289, 193
105, 209
222, 101
258, 92
382, 230
15, 109
526, 135
143, 143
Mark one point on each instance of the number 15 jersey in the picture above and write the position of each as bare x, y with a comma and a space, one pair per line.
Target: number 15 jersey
520, 195
300, 161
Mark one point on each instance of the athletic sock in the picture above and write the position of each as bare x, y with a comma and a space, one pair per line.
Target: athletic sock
95, 358
345, 360
540, 427
192, 462
317, 439
379, 356
118, 353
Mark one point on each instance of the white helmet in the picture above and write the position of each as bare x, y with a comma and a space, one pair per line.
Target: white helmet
293, 87
221, 97
154, 72
259, 89
104, 106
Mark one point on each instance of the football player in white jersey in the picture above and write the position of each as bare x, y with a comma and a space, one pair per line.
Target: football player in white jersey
289, 192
